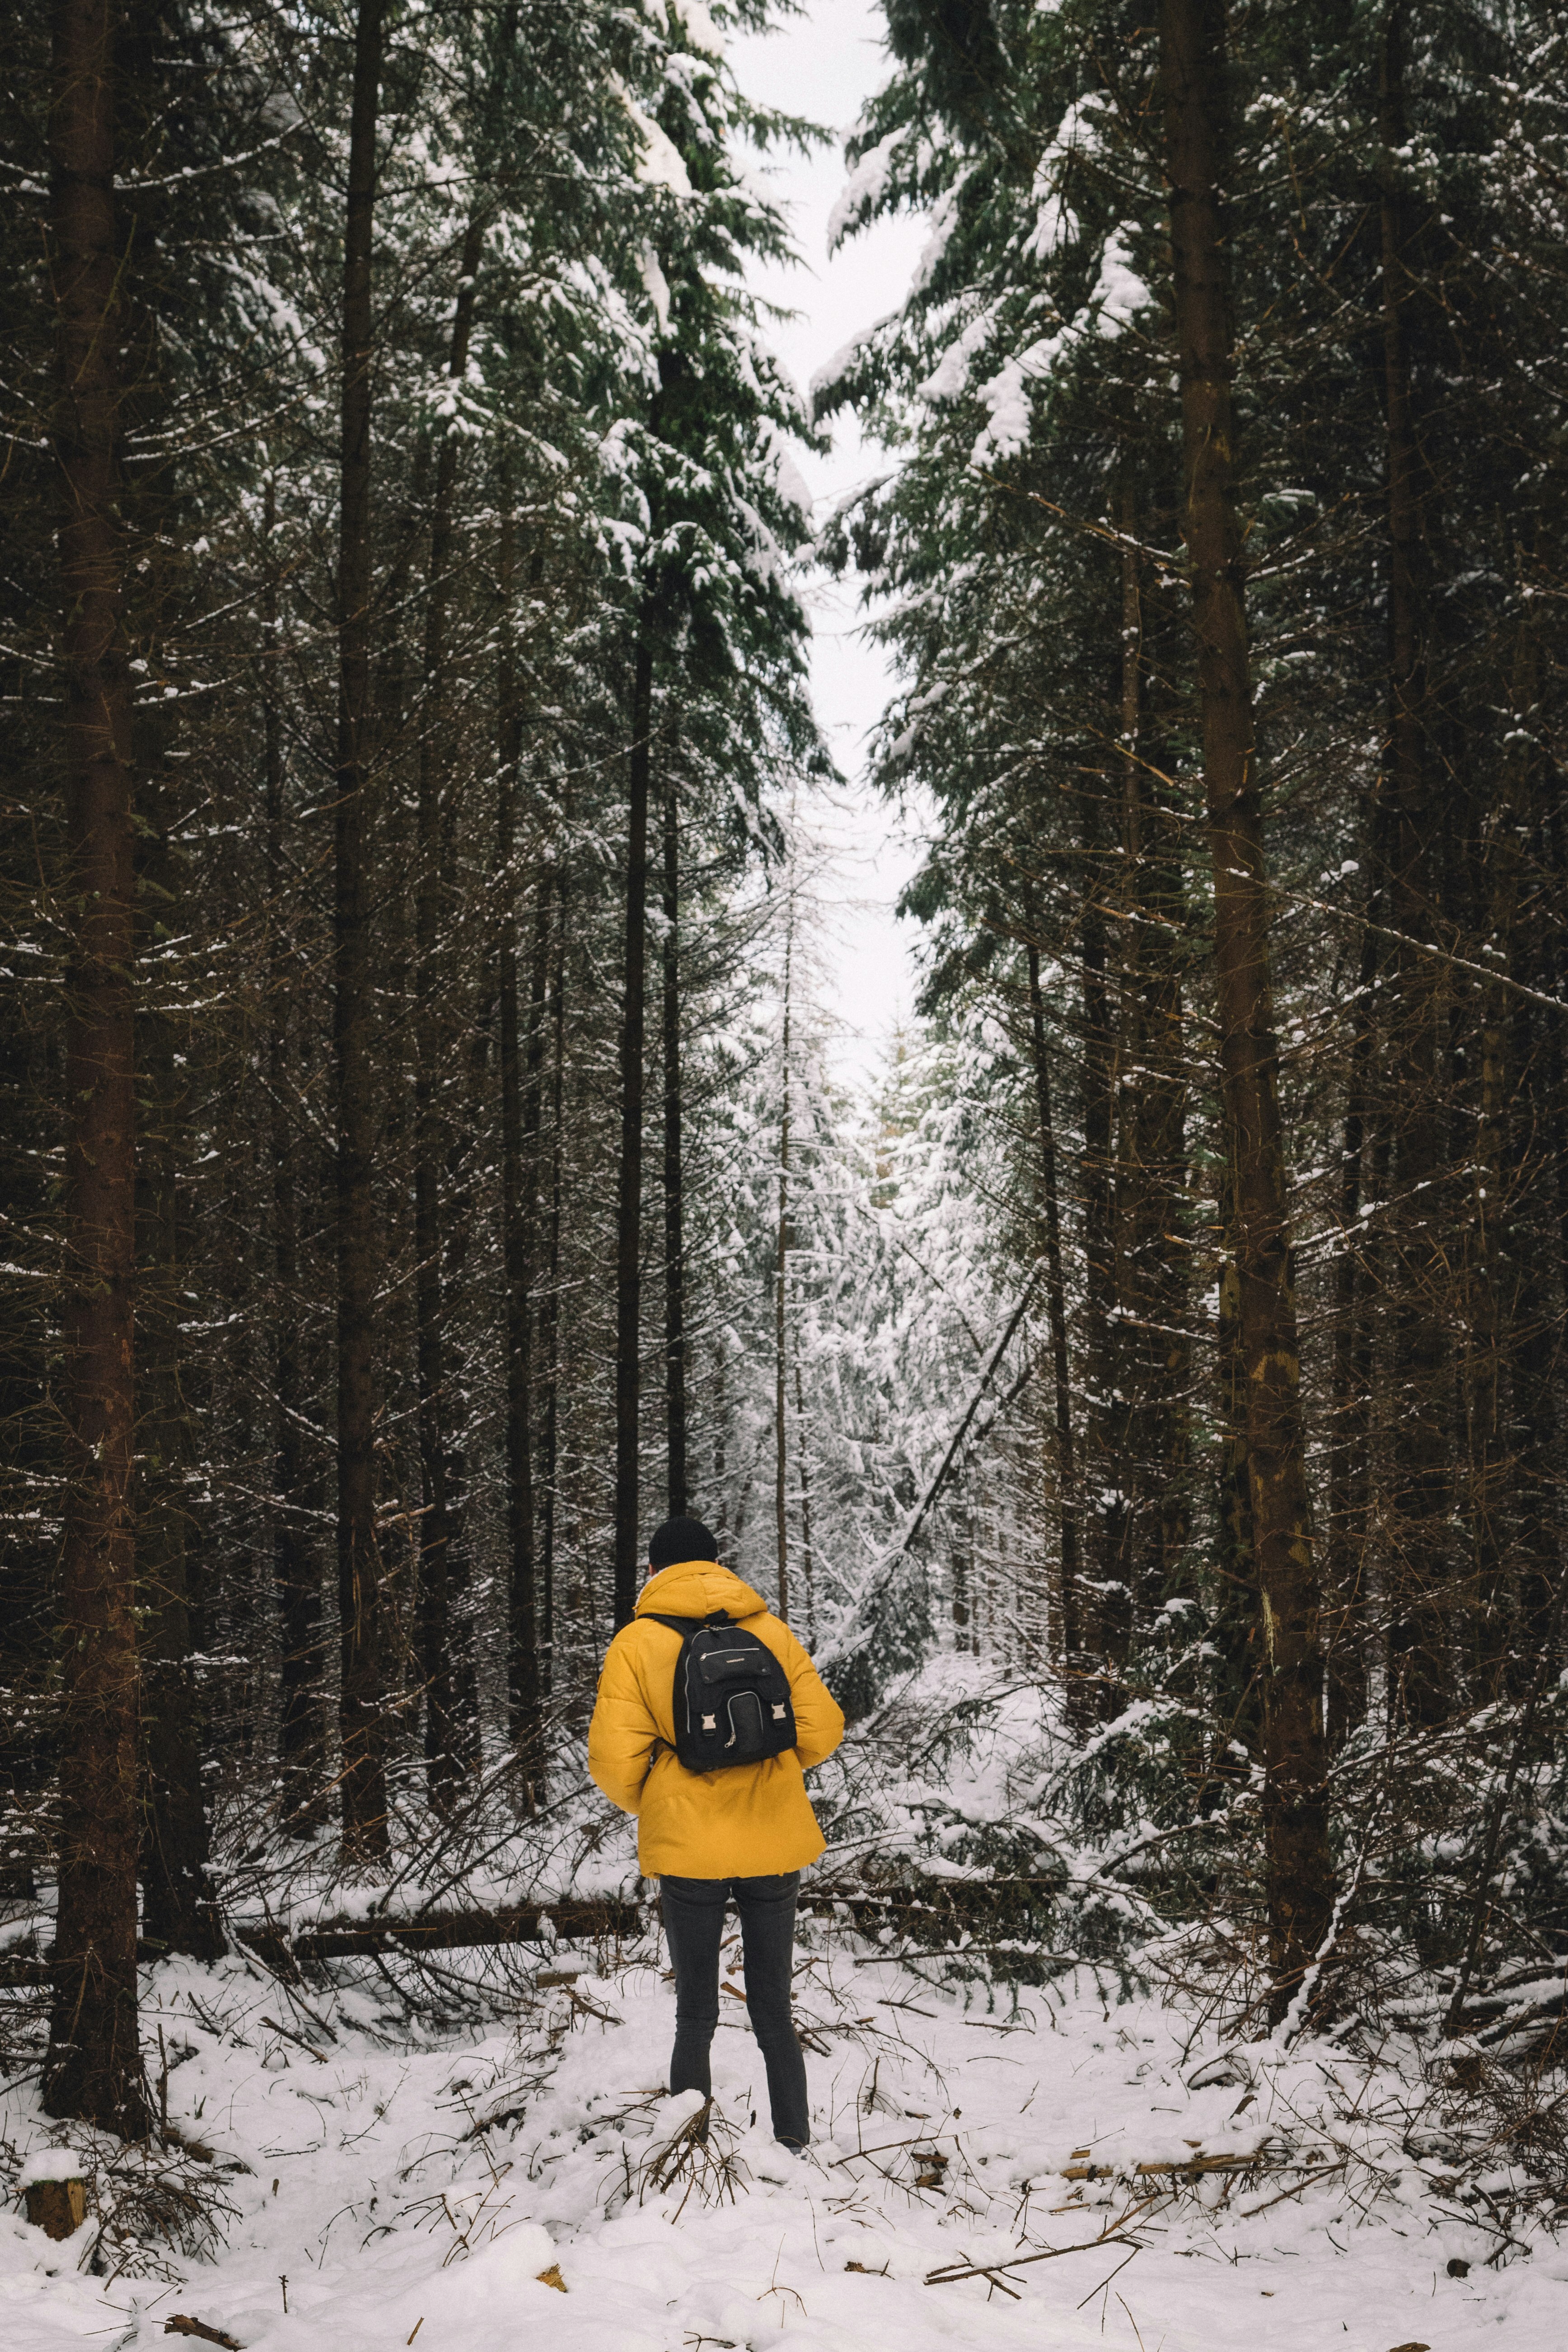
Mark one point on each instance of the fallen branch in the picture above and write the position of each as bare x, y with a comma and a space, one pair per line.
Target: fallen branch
1182, 2167
297, 2038
1016, 2262
180, 2324
1323, 2173
442, 1931
884, 2147
586, 2008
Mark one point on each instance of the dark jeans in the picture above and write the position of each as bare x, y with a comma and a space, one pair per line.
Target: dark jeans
694, 1928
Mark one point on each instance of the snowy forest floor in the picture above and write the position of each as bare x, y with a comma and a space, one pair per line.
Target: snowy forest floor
407, 2183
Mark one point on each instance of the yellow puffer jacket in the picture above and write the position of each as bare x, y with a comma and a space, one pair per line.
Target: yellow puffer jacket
755, 1819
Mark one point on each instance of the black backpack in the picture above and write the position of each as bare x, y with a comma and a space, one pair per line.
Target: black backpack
733, 1703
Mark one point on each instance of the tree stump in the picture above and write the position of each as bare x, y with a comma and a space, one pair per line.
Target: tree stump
56, 2207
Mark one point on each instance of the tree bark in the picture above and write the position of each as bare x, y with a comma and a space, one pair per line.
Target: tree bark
521, 1075
1151, 1157
178, 1911
1300, 1871
1344, 1548
807, 1565
1104, 1628
295, 1561
518, 1087
1536, 1339
628, 1221
1497, 1323
1508, 1304
439, 1630
1418, 1633
1068, 1597
92, 2071
360, 1612
674, 1172
1143, 1391
1237, 1711
550, 1314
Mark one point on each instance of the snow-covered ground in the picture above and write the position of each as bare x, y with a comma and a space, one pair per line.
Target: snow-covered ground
414, 2186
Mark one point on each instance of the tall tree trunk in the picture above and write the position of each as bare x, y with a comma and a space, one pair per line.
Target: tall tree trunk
550, 1316
521, 1090
296, 1560
964, 1628
1300, 1870
359, 1564
1495, 1319
807, 1566
780, 1299
178, 1911
438, 1665
674, 1172
518, 1186
92, 2071
465, 1742
1542, 1287
1344, 1548
1067, 1632
1422, 1488
1152, 1160
628, 1218
1238, 1709
1105, 1629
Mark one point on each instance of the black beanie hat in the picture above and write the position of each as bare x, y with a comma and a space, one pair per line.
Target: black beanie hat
680, 1540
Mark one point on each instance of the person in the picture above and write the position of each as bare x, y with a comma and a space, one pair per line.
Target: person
710, 1837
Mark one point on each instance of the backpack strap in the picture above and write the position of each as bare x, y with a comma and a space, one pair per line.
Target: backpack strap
681, 1625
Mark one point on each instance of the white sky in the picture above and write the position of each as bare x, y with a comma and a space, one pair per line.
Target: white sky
823, 64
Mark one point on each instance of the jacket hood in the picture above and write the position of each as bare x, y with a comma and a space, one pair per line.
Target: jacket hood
695, 1587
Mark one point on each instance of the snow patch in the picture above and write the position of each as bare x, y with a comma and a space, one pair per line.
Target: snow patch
792, 482
1118, 296
949, 377
52, 2164
1119, 293
1057, 224
832, 370
658, 286
863, 191
944, 221
660, 165
701, 30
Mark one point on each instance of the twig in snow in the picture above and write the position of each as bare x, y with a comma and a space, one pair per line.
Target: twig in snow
298, 2040
1324, 2172
1016, 2262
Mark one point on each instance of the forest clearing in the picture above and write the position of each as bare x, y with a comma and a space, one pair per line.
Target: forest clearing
506, 511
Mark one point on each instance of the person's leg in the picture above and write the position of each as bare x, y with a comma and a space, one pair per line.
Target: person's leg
767, 1930
693, 1912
